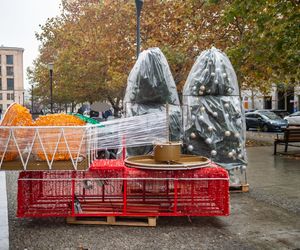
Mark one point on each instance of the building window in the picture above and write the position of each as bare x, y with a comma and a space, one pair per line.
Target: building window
1, 97
267, 102
10, 96
1, 107
0, 83
9, 59
10, 84
9, 71
0, 69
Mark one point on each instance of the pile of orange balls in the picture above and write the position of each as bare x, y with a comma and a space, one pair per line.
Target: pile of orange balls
17, 115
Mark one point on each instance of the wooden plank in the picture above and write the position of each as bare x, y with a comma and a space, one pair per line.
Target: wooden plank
114, 221
243, 188
42, 165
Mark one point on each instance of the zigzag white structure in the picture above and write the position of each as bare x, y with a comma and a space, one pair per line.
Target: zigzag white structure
79, 142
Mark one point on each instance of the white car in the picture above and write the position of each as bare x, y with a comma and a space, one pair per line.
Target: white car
293, 119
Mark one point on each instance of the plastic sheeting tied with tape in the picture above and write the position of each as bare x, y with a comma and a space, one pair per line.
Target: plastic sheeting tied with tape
150, 89
68, 147
214, 123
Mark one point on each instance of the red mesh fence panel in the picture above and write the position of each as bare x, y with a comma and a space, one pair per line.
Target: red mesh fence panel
117, 190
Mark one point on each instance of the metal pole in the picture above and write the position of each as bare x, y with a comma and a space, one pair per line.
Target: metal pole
23, 98
138, 36
139, 5
32, 99
51, 97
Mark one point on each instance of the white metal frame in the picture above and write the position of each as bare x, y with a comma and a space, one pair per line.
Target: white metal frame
37, 138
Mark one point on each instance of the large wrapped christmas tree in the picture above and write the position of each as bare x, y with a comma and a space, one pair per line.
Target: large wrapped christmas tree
150, 89
214, 124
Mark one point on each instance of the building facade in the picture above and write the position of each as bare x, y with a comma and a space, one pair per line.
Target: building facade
11, 76
277, 99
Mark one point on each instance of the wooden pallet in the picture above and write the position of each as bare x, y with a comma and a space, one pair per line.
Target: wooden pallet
243, 188
114, 221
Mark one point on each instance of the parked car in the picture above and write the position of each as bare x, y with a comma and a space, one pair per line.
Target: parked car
249, 110
281, 113
265, 121
293, 119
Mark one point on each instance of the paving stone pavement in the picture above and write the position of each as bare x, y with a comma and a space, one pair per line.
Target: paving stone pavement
267, 217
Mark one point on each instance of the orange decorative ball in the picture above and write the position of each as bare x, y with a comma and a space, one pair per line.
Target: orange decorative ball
15, 115
60, 143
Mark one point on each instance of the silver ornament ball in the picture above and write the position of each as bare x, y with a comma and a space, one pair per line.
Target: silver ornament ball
230, 154
208, 140
193, 135
202, 88
210, 128
200, 117
227, 133
215, 114
202, 109
213, 152
190, 148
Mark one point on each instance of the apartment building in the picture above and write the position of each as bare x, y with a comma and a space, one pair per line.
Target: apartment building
278, 98
11, 76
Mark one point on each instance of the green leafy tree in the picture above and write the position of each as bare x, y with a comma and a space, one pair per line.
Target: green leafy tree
92, 43
265, 48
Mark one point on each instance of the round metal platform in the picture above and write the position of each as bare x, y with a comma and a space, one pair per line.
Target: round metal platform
184, 163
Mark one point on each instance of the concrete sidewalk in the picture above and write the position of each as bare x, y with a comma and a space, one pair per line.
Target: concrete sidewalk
263, 136
274, 179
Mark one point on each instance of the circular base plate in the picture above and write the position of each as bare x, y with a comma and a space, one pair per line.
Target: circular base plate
184, 163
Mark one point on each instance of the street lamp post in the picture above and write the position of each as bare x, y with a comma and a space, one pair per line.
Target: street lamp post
32, 98
50, 67
139, 5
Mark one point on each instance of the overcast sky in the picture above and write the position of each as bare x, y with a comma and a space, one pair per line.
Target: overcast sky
19, 20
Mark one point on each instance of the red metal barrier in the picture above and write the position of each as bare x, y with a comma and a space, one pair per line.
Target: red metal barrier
111, 189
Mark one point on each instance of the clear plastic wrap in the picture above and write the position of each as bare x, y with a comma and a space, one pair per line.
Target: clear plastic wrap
150, 80
214, 123
212, 74
151, 88
130, 132
77, 146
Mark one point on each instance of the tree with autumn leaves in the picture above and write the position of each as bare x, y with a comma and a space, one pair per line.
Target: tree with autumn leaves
92, 43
